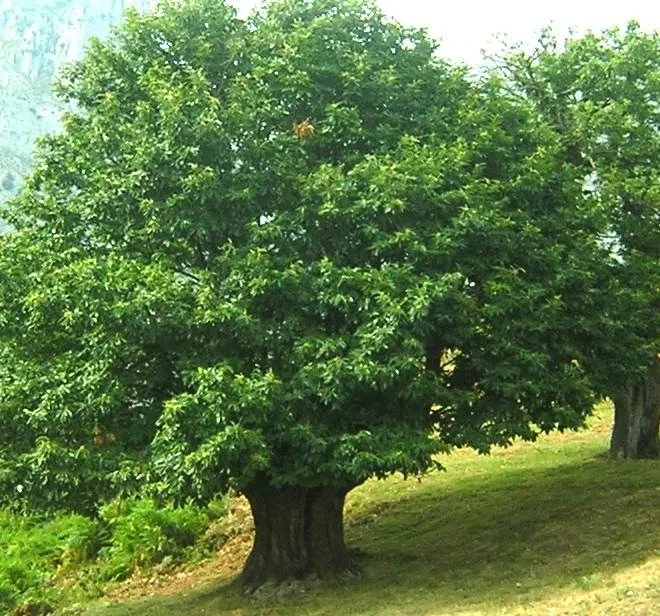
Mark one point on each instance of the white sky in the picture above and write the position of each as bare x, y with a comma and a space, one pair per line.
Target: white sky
468, 26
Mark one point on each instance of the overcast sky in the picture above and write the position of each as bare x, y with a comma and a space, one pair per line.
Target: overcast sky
468, 26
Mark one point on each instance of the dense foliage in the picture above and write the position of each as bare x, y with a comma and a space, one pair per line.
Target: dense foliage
47, 561
600, 93
286, 255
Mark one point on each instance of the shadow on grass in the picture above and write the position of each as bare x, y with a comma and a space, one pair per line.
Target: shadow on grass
507, 534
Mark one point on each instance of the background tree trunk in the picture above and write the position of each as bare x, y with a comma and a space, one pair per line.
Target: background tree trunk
636, 432
299, 532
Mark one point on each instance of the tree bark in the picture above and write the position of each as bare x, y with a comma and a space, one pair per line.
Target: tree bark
636, 432
299, 532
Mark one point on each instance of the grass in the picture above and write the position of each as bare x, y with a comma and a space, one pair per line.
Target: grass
551, 527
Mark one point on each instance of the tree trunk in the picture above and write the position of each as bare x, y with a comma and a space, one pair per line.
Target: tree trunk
299, 532
636, 432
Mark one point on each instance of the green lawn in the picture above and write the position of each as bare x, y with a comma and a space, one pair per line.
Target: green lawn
545, 528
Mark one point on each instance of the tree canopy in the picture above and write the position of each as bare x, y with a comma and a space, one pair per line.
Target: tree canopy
285, 255
600, 92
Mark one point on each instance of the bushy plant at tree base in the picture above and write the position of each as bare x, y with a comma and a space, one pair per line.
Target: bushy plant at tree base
600, 92
33, 553
285, 255
47, 561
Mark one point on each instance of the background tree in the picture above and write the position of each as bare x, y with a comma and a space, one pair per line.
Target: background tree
287, 255
600, 93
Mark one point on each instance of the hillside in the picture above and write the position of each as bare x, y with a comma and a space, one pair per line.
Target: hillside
36, 40
545, 528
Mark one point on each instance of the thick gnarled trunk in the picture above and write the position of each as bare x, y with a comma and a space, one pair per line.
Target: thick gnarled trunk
299, 532
636, 432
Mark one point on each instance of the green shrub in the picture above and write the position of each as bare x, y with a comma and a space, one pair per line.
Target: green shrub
37, 553
9, 593
33, 551
142, 534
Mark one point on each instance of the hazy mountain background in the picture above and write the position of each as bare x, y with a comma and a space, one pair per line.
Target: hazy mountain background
37, 37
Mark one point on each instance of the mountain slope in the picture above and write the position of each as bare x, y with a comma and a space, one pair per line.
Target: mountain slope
37, 37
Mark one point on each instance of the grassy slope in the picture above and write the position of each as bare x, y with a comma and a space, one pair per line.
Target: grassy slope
544, 528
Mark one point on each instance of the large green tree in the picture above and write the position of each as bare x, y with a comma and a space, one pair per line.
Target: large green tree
285, 255
600, 92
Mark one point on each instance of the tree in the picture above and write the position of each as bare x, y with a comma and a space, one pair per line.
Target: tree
286, 255
600, 93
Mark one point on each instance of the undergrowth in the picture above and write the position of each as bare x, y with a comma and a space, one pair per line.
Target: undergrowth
45, 562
